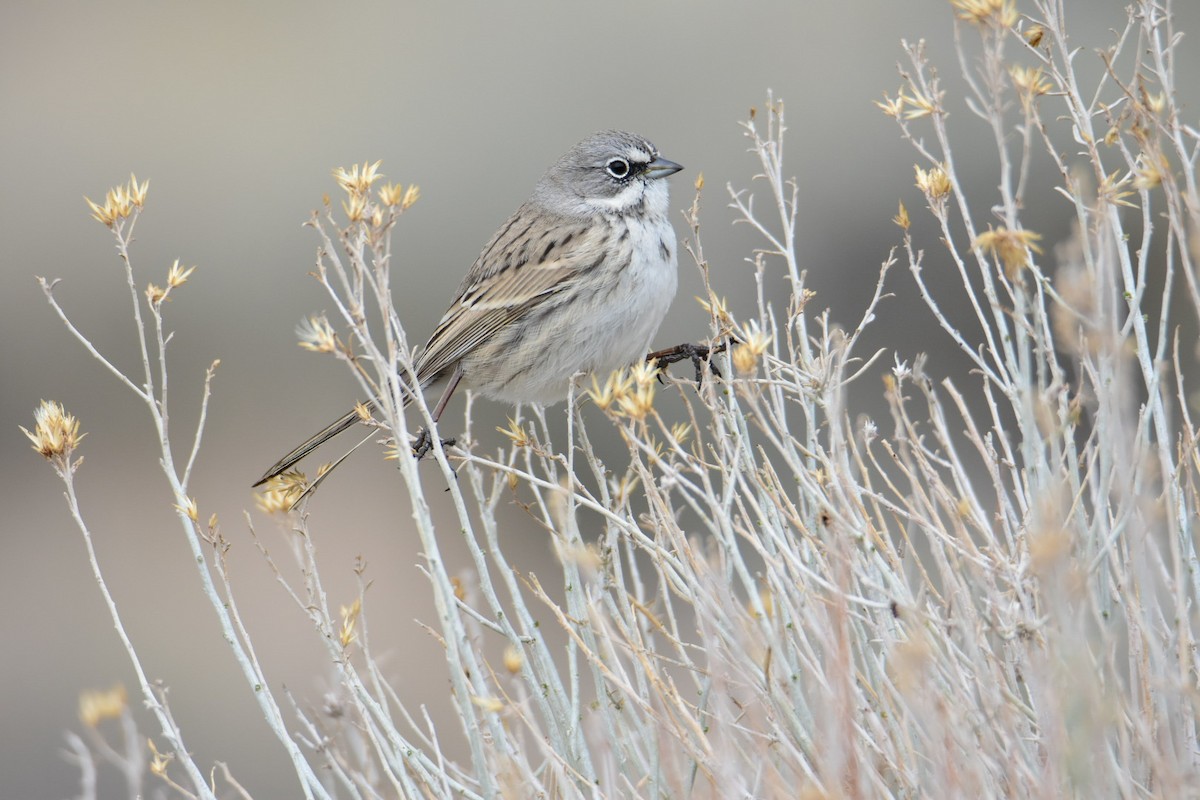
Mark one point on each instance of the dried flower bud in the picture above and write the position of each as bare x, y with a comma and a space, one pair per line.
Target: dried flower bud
934, 182
178, 275
188, 508
348, 635
96, 706
357, 180
516, 434
156, 294
317, 335
1011, 247
747, 354
614, 388
55, 432
119, 202
282, 492
986, 13
514, 659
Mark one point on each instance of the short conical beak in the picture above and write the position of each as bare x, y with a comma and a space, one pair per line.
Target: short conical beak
661, 168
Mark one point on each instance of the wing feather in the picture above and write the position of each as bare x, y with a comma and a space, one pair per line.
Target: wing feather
518, 270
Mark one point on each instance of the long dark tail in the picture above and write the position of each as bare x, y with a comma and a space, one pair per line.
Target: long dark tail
343, 423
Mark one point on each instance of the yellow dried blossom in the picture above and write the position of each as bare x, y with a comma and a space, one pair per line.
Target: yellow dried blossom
638, 403
188, 508
1011, 247
681, 432
614, 388
159, 763
919, 105
699, 184
347, 635
178, 275
656, 447
1034, 35
488, 704
137, 194
108, 213
934, 182
890, 107
55, 432
411, 196
516, 433
357, 180
514, 659
1002, 13
391, 194
747, 354
96, 706
317, 335
1150, 169
281, 492
717, 306
901, 217
1114, 189
1030, 79
355, 207
1030, 82
156, 294
644, 373
119, 201
744, 360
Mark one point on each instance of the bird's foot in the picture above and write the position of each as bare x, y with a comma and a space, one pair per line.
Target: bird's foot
699, 354
424, 443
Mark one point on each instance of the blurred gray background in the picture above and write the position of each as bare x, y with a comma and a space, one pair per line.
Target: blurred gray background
237, 113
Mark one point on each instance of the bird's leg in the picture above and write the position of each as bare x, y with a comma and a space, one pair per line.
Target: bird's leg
424, 442
698, 354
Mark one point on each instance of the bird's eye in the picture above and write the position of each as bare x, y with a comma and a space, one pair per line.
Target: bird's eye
618, 168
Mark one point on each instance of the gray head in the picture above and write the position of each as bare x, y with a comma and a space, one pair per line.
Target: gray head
610, 172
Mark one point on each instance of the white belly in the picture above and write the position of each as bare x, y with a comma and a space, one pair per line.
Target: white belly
605, 331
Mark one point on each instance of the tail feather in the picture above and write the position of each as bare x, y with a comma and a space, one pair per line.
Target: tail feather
348, 421
312, 487
343, 423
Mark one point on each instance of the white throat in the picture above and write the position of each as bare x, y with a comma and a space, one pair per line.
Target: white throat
651, 195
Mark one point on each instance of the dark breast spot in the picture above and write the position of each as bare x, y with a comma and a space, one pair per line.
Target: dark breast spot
665, 249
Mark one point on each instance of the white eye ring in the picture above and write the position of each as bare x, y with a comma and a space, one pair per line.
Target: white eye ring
618, 168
